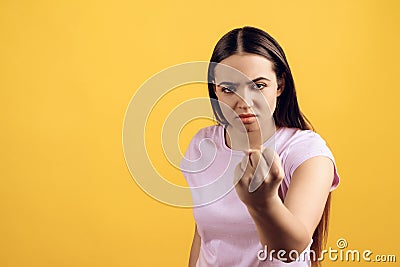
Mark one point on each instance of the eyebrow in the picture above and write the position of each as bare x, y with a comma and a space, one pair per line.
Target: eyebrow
253, 81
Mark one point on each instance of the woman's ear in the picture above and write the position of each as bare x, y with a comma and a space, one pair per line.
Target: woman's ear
281, 84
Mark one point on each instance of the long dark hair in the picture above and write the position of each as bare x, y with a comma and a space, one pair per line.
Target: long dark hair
287, 113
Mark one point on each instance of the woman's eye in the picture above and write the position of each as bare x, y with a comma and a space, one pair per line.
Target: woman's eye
228, 89
259, 86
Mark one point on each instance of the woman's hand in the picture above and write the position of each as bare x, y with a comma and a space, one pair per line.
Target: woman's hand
257, 178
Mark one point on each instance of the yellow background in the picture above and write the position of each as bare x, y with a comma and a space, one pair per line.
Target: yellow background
68, 70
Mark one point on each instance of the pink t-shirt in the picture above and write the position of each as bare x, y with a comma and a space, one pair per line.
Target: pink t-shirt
228, 233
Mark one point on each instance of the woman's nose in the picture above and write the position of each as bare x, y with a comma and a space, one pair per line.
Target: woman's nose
245, 99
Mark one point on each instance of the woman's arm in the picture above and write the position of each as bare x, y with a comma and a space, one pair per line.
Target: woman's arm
195, 250
289, 226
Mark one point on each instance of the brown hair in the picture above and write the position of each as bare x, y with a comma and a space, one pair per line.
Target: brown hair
287, 113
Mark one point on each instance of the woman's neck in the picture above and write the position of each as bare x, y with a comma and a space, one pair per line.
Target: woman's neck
247, 140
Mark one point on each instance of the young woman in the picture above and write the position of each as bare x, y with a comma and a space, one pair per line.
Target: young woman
280, 203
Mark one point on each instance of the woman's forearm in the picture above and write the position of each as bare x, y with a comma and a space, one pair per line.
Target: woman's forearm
279, 229
195, 249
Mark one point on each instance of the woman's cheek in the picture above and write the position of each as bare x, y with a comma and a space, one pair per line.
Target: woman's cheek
228, 113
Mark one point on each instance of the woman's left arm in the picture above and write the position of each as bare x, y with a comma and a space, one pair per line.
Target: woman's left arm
288, 225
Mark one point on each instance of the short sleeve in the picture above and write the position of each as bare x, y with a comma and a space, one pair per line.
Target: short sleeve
190, 162
309, 145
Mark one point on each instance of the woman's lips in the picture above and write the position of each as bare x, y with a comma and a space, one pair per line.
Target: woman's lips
247, 118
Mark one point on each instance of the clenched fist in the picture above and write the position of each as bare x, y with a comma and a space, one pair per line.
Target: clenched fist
258, 176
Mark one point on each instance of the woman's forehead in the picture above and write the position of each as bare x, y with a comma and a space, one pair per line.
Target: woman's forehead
243, 68
234, 76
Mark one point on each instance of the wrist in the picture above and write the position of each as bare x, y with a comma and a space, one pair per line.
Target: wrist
267, 207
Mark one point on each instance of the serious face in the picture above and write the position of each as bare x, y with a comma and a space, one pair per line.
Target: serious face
247, 88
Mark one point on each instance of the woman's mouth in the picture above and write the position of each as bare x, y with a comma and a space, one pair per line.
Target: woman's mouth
247, 118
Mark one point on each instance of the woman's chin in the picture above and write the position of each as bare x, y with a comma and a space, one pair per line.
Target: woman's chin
252, 128
245, 127
249, 127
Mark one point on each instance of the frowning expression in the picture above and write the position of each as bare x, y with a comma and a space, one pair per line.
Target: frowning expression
247, 87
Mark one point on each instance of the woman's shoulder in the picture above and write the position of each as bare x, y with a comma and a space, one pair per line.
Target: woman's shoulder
211, 132
296, 135
211, 135
296, 146
206, 140
295, 140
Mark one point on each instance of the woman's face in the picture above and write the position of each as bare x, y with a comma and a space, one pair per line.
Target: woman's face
247, 89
